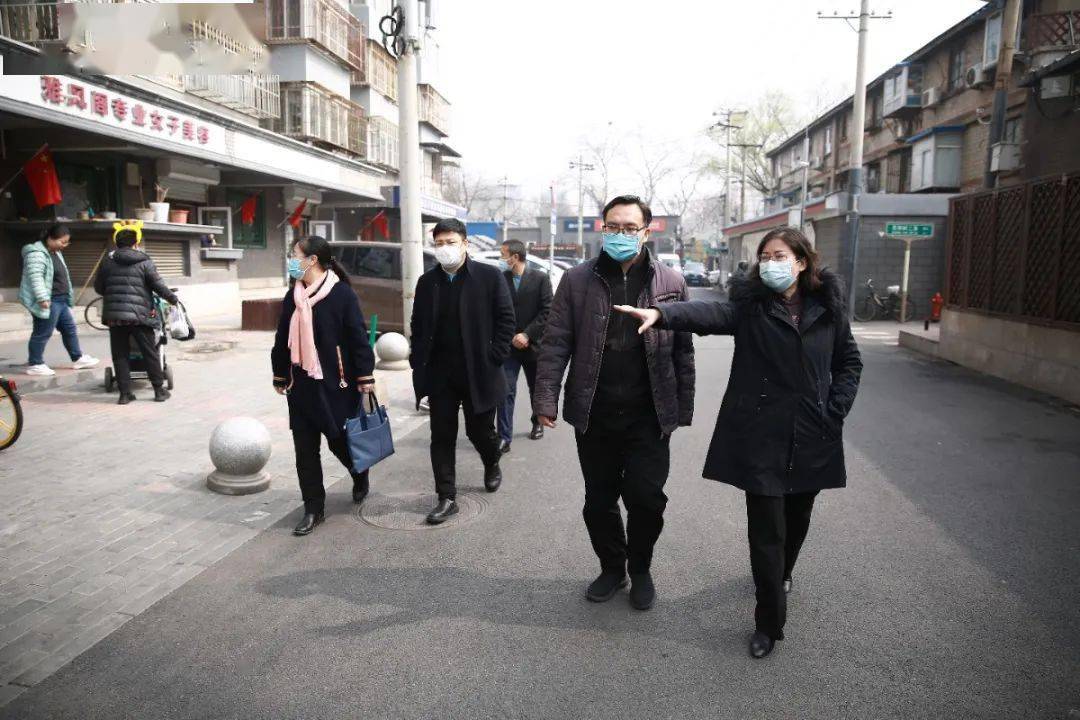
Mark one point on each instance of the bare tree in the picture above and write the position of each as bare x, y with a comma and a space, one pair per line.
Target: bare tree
682, 196
652, 165
467, 189
604, 154
769, 121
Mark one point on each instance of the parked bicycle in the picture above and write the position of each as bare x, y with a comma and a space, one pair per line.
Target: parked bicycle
93, 313
873, 306
11, 417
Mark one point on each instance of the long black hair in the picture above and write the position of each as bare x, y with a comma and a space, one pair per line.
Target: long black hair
319, 248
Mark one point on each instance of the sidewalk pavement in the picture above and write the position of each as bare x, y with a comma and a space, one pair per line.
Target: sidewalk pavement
105, 508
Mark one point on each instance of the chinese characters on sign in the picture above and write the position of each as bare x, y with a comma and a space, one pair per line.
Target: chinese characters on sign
54, 92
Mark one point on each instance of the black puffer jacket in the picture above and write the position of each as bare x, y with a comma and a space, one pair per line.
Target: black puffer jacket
126, 279
576, 330
781, 421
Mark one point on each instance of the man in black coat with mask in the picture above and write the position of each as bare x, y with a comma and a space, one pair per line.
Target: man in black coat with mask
462, 323
531, 291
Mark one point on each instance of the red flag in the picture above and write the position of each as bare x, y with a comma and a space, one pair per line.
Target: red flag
247, 210
40, 172
294, 219
382, 223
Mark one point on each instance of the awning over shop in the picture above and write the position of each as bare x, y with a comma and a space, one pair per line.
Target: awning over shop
430, 206
170, 126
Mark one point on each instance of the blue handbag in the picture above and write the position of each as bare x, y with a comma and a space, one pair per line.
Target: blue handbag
368, 435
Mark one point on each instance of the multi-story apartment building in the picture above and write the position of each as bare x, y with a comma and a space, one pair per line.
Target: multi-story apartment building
290, 104
926, 135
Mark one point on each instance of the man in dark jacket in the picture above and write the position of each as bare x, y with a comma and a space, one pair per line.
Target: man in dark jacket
625, 394
127, 278
462, 323
531, 291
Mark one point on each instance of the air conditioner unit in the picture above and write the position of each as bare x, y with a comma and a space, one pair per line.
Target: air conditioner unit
977, 76
1004, 156
931, 97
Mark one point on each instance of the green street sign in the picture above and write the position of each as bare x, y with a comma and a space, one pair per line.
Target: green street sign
918, 230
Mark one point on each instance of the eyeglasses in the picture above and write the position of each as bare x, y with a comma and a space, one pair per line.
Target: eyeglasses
778, 256
444, 243
624, 229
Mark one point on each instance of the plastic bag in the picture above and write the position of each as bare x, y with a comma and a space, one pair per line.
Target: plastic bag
180, 327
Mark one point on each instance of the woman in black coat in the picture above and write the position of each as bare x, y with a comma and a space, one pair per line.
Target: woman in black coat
322, 362
793, 380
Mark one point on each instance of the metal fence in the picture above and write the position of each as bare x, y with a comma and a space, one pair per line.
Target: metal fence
1015, 252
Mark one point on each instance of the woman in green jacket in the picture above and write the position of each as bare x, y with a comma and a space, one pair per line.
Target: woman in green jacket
45, 291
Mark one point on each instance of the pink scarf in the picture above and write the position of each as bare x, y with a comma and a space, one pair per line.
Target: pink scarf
301, 331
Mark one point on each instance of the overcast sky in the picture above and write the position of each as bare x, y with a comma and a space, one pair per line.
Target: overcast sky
527, 79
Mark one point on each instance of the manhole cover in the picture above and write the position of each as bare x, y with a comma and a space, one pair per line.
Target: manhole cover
407, 511
208, 347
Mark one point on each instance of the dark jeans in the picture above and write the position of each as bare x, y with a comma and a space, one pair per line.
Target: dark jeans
777, 527
60, 318
624, 456
120, 339
306, 444
447, 395
515, 363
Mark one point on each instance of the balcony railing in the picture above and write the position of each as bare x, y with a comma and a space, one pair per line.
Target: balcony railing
1052, 30
382, 142
321, 22
31, 23
434, 109
311, 113
256, 95
380, 72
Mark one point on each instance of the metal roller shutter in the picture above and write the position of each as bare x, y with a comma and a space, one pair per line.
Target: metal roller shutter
169, 256
81, 256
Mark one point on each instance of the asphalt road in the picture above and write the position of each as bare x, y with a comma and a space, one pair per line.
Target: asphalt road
941, 583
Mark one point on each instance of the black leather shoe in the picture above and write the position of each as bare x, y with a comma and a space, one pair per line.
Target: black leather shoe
492, 478
604, 587
537, 431
787, 585
642, 591
125, 398
442, 511
161, 394
504, 446
760, 645
308, 523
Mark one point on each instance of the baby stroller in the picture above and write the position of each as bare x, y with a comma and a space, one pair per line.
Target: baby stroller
135, 358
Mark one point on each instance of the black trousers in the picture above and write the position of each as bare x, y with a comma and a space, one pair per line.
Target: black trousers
446, 397
306, 443
120, 337
777, 527
624, 456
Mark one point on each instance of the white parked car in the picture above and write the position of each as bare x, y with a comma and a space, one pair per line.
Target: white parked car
491, 257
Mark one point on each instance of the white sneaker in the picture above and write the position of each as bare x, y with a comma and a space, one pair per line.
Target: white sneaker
86, 361
40, 370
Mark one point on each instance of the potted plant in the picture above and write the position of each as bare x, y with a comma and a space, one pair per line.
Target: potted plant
142, 212
160, 208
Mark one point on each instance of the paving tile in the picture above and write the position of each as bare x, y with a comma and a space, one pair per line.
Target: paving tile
10, 692
24, 608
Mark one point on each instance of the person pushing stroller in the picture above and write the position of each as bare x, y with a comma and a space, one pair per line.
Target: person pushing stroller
127, 280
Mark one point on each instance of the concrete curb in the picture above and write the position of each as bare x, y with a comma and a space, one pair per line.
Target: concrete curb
62, 379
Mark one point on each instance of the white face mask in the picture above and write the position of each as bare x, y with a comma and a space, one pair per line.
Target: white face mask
449, 256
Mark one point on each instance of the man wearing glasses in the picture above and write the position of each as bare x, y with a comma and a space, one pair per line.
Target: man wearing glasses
625, 394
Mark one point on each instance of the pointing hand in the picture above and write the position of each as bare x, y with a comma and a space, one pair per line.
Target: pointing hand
647, 316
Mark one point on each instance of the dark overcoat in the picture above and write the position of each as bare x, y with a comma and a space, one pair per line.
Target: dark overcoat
487, 326
325, 405
532, 301
780, 428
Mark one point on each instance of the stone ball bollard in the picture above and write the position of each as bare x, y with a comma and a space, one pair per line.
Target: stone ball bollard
393, 352
239, 448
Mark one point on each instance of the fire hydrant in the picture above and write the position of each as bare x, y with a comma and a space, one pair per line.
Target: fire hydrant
936, 303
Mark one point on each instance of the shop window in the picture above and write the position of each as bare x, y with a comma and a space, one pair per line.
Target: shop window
248, 236
83, 187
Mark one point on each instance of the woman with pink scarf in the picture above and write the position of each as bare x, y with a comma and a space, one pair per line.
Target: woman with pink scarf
322, 363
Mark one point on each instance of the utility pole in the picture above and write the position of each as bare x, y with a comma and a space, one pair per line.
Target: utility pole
412, 251
805, 179
505, 187
727, 114
1002, 76
742, 177
851, 224
581, 166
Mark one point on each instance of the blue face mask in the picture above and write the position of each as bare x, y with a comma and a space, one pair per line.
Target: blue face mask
503, 265
778, 276
296, 271
620, 246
